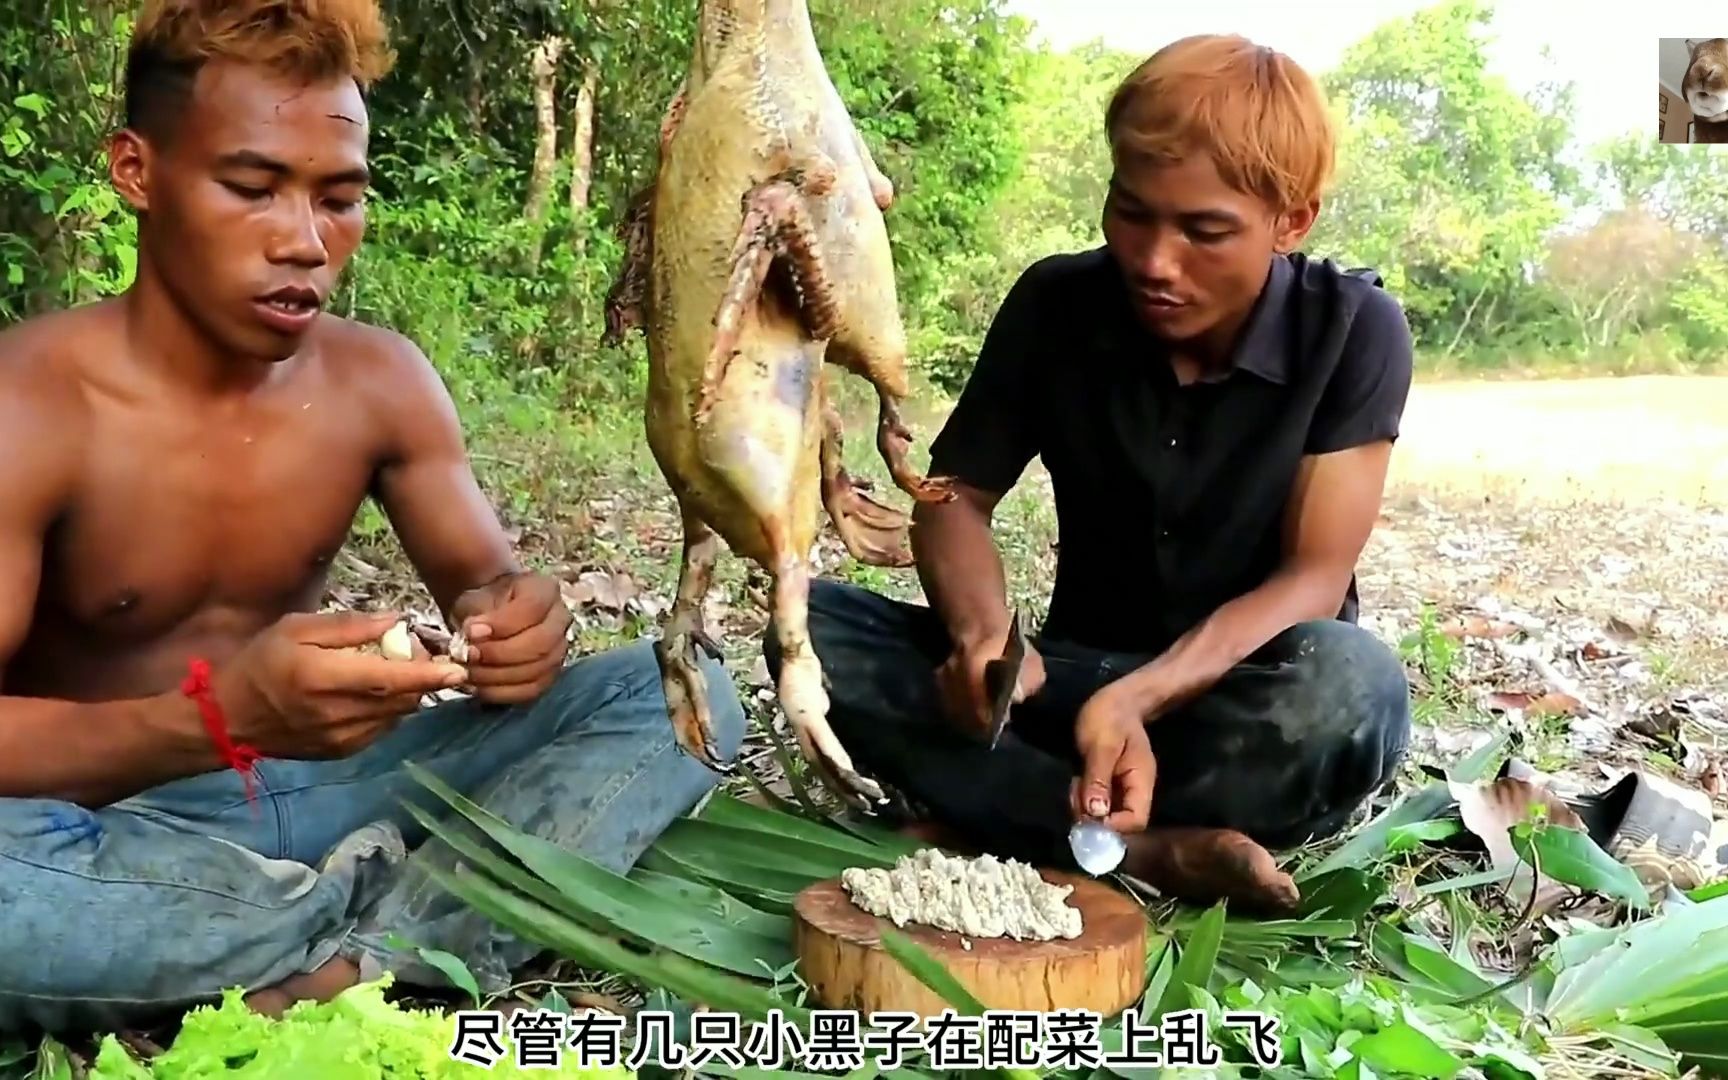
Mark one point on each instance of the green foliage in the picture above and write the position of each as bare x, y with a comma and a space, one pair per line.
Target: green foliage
356, 1036
1464, 193
65, 235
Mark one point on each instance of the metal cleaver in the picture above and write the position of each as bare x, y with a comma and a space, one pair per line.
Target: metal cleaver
1000, 675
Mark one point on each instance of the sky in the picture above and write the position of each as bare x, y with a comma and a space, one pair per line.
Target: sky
1609, 57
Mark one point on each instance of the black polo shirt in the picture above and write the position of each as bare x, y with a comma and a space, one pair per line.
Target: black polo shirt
1171, 499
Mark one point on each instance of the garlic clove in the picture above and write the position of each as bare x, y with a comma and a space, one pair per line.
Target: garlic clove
1097, 847
396, 644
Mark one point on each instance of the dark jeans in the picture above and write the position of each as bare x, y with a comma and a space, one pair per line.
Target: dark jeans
1284, 748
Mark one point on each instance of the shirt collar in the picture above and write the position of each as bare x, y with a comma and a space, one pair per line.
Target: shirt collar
1263, 348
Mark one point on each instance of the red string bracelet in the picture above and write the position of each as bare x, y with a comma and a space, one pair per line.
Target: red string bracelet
242, 758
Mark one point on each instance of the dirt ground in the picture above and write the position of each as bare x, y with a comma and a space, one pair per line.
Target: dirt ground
1552, 558
1644, 438
1571, 538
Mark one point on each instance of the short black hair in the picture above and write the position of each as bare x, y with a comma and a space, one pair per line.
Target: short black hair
309, 39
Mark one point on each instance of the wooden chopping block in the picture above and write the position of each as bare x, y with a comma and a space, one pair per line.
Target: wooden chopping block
841, 958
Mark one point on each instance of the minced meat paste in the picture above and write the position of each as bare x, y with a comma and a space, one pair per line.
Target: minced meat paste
981, 897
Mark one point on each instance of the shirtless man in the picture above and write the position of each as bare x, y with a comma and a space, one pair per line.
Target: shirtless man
180, 465
1216, 413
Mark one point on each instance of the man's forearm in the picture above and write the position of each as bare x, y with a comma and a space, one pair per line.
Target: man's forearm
96, 754
960, 568
1229, 635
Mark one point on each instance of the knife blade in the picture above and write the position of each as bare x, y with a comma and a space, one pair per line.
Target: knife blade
1000, 676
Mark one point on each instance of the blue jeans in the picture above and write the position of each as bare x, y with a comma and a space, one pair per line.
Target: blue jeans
1283, 748
143, 908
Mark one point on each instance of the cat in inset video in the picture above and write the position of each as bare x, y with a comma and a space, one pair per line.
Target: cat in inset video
1705, 85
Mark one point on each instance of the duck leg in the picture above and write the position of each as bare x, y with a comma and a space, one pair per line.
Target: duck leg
894, 442
680, 677
874, 534
802, 693
776, 225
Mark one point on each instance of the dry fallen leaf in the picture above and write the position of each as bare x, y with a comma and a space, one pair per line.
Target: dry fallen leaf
602, 589
1490, 809
1550, 704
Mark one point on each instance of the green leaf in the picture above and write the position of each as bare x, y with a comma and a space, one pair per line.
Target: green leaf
1569, 855
452, 966
1427, 972
53, 1061
747, 883
1641, 1045
1346, 893
779, 824
1403, 1050
1411, 836
939, 980
1369, 843
796, 857
1466, 881
723, 905
36, 103
601, 898
1600, 973
656, 968
1197, 956
929, 971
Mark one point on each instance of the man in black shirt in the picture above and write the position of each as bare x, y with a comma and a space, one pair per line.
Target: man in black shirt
1216, 413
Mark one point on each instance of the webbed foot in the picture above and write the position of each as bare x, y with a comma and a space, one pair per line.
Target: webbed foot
804, 698
893, 442
874, 534
681, 676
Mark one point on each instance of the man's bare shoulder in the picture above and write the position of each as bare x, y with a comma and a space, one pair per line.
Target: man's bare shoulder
385, 366
41, 371
44, 415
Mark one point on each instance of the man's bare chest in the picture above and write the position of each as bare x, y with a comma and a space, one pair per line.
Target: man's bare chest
225, 519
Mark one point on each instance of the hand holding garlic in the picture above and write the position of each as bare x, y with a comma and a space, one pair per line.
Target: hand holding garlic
321, 686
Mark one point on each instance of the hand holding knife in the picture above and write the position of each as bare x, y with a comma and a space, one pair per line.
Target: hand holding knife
1002, 679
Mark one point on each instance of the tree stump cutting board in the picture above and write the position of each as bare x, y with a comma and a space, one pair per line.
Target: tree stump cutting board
841, 958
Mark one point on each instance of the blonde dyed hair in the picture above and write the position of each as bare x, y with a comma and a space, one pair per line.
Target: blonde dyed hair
306, 40
1260, 117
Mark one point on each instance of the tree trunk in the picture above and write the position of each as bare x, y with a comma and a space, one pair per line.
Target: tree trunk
545, 73
582, 138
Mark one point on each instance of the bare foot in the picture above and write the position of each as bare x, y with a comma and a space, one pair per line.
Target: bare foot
1205, 865
329, 980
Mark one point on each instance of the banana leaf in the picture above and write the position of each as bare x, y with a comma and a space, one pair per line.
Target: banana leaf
834, 836
603, 900
763, 890
709, 899
1666, 975
810, 859
536, 922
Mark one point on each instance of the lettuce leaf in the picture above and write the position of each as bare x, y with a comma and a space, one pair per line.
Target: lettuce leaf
356, 1036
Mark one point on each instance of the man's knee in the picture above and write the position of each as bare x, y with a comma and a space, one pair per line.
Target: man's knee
632, 673
1353, 687
1348, 671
